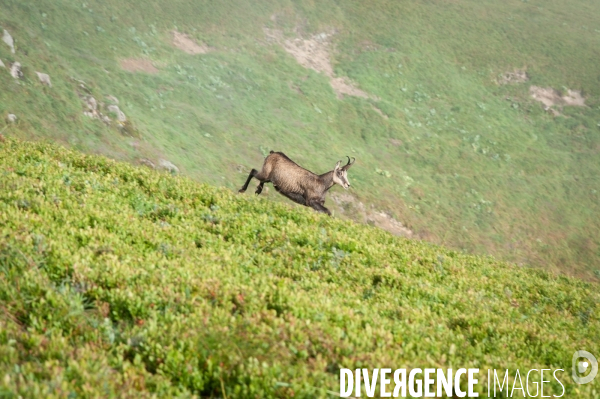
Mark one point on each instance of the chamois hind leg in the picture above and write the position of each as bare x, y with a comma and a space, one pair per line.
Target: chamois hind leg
317, 206
253, 173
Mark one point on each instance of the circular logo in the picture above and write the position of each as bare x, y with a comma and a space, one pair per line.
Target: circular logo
580, 367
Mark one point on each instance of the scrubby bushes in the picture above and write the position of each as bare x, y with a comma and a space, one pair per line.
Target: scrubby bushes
125, 282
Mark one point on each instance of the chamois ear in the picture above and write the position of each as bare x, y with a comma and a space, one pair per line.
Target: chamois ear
349, 164
337, 165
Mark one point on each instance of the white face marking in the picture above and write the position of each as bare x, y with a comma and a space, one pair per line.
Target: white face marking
340, 177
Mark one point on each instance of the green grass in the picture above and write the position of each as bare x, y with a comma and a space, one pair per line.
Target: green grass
118, 281
482, 168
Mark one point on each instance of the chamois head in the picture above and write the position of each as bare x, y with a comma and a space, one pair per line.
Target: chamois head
340, 175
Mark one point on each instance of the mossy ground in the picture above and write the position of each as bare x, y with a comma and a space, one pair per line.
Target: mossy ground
118, 281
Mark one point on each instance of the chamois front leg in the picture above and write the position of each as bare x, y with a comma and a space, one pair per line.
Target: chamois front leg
253, 173
317, 206
259, 188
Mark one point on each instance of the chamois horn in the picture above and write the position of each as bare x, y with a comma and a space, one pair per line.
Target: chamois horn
349, 163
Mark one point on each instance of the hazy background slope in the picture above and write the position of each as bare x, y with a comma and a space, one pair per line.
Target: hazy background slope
442, 146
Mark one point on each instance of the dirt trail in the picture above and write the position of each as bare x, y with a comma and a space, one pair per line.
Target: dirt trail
138, 65
185, 43
357, 211
315, 53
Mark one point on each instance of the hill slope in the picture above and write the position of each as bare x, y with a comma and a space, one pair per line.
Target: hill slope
443, 147
118, 281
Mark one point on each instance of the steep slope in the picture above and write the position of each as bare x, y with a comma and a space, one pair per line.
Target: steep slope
118, 281
443, 146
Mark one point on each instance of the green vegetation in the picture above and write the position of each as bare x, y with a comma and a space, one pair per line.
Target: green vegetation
474, 166
118, 281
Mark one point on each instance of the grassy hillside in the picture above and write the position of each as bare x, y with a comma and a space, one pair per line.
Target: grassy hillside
118, 281
461, 160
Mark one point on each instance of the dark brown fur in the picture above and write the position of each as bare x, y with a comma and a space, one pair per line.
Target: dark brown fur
296, 183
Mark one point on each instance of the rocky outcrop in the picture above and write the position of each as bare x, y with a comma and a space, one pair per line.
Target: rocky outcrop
118, 113
99, 110
92, 105
147, 162
168, 166
15, 70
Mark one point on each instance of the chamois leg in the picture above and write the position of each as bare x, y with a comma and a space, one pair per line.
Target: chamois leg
259, 188
317, 206
253, 173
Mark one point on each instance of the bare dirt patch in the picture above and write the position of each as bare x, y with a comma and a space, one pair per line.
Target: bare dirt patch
357, 211
516, 76
138, 65
315, 53
551, 97
185, 43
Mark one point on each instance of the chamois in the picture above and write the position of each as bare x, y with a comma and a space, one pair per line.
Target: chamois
298, 184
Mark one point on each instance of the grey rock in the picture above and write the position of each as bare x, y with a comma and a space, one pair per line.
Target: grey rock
11, 118
7, 38
92, 107
44, 78
167, 165
91, 103
2, 64
112, 99
120, 115
15, 70
105, 119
